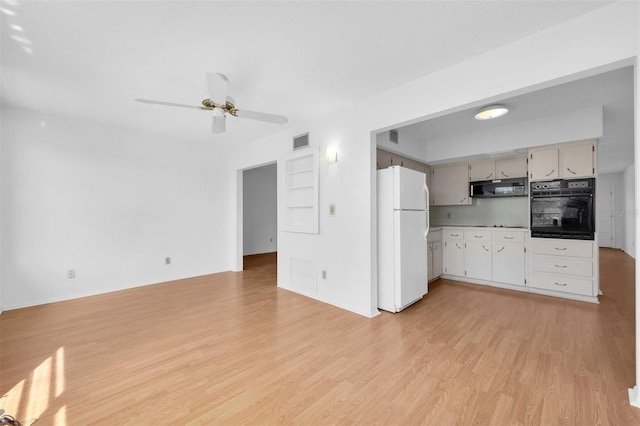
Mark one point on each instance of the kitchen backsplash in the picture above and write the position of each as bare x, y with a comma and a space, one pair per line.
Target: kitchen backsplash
484, 212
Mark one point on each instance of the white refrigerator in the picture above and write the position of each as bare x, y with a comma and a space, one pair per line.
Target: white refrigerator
403, 224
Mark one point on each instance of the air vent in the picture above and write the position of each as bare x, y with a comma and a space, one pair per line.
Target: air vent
301, 141
393, 136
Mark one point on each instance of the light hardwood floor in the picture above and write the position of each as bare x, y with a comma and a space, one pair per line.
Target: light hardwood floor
232, 348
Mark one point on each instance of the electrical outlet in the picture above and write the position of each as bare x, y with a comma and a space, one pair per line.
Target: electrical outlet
324, 275
448, 215
167, 261
332, 209
71, 273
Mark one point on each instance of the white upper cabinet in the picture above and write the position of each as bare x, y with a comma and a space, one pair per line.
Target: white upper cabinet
386, 159
511, 168
565, 161
577, 161
543, 164
500, 169
450, 185
483, 170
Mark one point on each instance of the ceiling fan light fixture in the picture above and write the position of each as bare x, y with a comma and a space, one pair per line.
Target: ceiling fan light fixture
218, 112
492, 111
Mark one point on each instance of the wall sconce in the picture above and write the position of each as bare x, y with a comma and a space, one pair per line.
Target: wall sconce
332, 155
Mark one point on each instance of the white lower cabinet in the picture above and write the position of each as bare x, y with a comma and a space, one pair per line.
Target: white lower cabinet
453, 257
565, 284
565, 266
486, 256
434, 254
508, 263
477, 260
508, 258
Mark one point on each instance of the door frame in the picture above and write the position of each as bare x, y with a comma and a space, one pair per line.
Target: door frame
238, 252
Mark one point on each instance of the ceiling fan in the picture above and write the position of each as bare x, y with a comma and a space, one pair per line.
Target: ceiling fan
221, 105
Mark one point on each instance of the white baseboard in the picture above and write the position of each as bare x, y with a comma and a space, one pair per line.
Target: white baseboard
634, 397
523, 288
332, 302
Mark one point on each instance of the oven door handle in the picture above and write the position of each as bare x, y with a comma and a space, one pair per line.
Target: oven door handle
534, 196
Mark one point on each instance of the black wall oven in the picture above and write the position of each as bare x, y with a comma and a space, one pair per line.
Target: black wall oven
563, 209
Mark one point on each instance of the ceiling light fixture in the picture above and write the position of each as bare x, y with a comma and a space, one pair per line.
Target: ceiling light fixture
492, 111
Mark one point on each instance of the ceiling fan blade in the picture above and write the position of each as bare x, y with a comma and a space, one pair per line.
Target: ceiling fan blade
217, 84
219, 124
262, 116
149, 101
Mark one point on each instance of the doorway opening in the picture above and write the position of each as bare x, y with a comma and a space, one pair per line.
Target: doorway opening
259, 216
606, 215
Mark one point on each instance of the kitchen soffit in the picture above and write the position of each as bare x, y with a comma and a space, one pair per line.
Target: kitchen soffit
613, 90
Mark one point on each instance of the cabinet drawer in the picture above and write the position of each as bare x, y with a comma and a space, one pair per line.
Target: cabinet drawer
563, 266
477, 235
557, 247
452, 234
564, 284
508, 236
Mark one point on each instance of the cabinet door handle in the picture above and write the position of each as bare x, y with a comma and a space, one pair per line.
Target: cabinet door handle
458, 246
499, 250
485, 249
508, 238
462, 201
490, 174
455, 235
551, 172
560, 266
560, 248
571, 171
477, 236
504, 174
561, 284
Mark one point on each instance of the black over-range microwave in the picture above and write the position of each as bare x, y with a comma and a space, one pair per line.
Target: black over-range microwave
563, 208
515, 187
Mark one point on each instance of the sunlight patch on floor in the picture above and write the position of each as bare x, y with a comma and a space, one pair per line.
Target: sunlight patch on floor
60, 379
11, 404
31, 397
60, 418
39, 392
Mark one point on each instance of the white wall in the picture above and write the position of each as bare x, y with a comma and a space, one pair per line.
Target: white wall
408, 145
2, 191
629, 195
617, 213
337, 248
260, 207
345, 246
109, 203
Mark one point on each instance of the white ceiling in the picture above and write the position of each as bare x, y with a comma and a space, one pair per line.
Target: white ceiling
301, 59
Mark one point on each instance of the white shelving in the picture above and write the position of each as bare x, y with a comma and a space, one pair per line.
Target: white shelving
301, 191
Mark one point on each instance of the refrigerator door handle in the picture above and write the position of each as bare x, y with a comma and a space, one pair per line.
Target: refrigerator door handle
426, 232
426, 189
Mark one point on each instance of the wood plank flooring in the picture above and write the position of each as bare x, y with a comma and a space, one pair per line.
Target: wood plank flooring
232, 348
